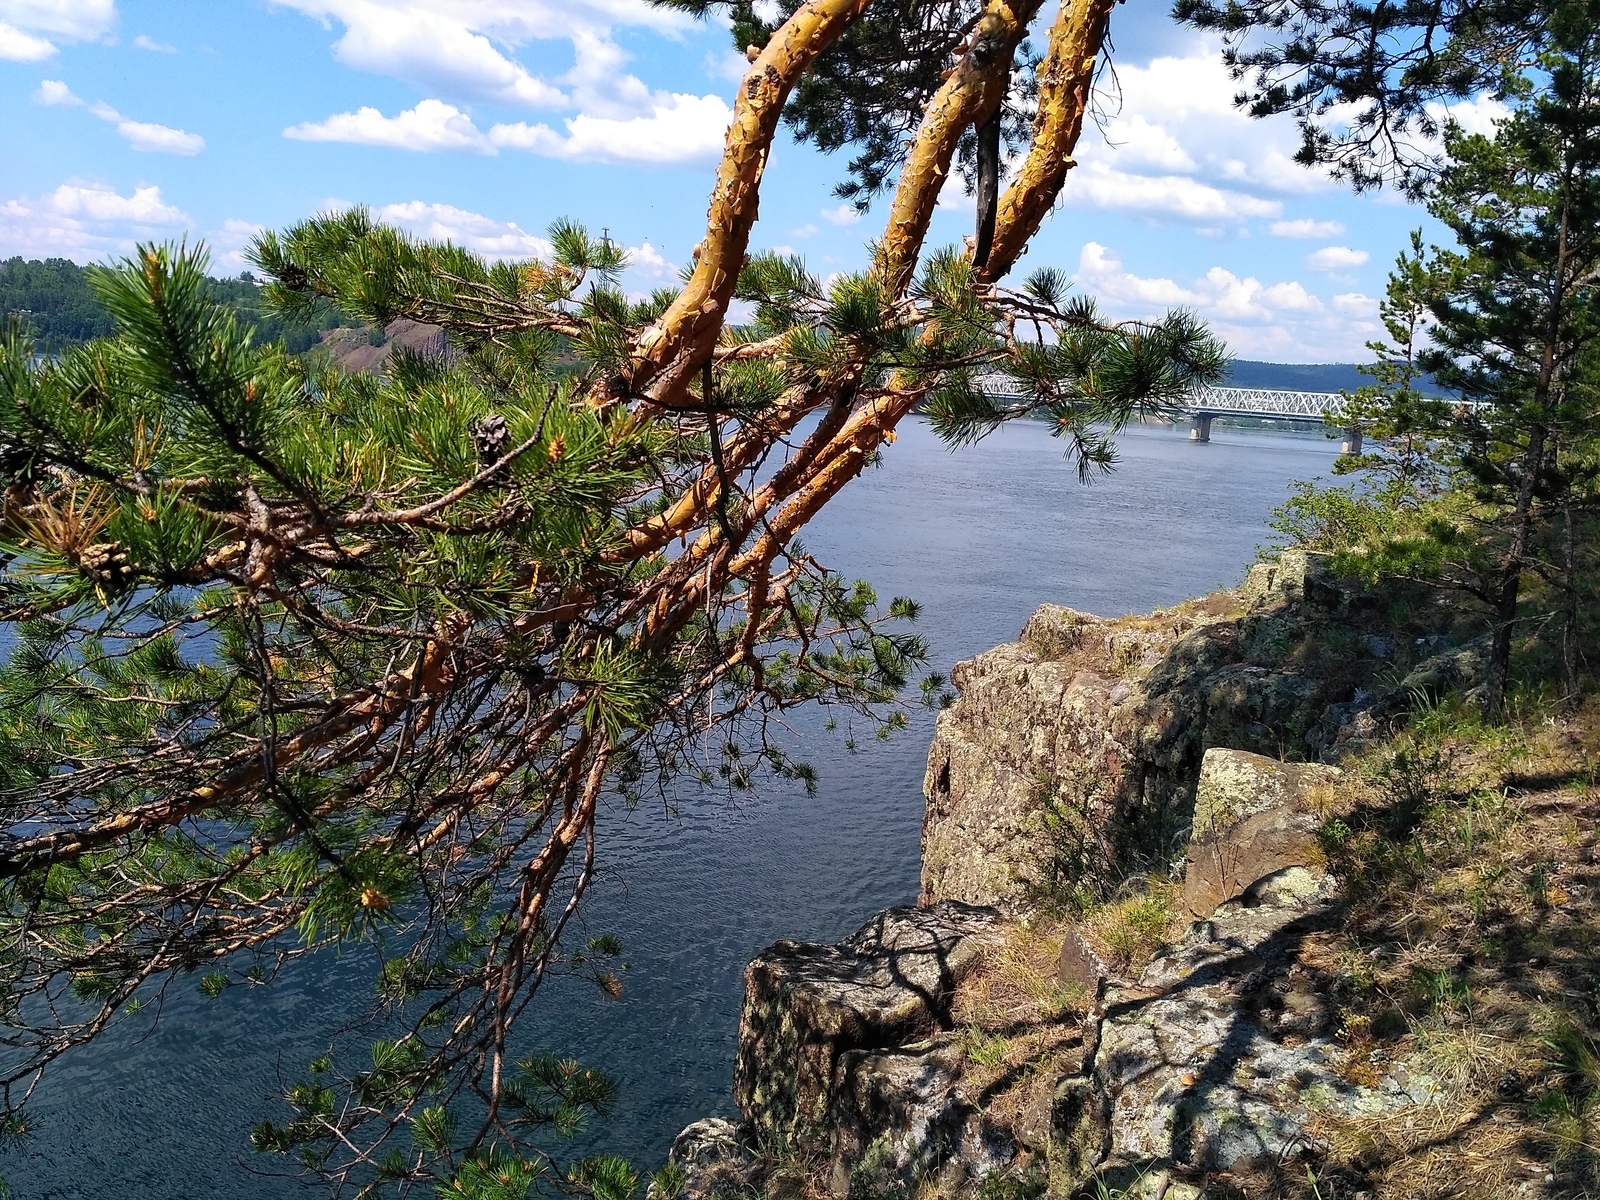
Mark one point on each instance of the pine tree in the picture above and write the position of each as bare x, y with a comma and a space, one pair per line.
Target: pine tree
304, 657
1369, 83
1407, 461
1400, 423
1499, 486
1519, 327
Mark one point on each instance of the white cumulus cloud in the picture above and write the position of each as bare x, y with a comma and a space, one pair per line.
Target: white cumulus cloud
429, 127
230, 241
1136, 140
99, 203
648, 262
506, 240
1097, 184
1171, 146
681, 128
86, 221
74, 20
1336, 258
1284, 321
465, 49
443, 45
845, 214
140, 135
145, 42
26, 26
1478, 115
150, 137
472, 231
16, 46
54, 91
1307, 227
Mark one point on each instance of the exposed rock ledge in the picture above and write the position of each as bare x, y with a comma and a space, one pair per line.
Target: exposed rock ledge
1094, 729
1218, 1055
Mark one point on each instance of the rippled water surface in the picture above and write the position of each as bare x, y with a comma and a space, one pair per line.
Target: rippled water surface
980, 537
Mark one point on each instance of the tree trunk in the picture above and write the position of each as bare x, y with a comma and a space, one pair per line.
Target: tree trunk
1511, 566
1569, 630
988, 187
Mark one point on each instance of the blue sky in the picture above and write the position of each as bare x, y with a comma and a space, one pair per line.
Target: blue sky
484, 120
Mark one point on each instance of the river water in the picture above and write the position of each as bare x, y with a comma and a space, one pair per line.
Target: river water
162, 1111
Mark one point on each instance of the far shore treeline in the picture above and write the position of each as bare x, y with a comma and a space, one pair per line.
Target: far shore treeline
54, 300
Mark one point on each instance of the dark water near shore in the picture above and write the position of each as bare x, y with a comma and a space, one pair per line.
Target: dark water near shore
981, 538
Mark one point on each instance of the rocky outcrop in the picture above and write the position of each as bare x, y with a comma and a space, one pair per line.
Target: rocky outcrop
1073, 753
367, 351
714, 1158
1089, 747
1253, 817
1223, 1054
823, 1031
908, 1114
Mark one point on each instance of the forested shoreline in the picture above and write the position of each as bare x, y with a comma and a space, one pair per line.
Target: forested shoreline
54, 300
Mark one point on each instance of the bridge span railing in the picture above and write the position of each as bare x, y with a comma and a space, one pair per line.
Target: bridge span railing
1208, 403
1219, 401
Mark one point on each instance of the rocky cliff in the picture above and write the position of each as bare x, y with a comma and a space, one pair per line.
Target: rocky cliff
1165, 774
1071, 757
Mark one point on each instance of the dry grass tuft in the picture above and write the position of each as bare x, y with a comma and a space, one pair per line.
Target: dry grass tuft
1129, 932
1020, 1028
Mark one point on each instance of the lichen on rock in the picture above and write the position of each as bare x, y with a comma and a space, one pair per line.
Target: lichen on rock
807, 1006
1253, 817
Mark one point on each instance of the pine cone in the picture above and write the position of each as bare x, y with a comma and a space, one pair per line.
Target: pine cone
107, 564
490, 437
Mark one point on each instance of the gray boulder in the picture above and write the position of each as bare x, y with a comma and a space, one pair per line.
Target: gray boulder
715, 1161
1223, 1055
808, 1006
904, 1115
1083, 739
1253, 817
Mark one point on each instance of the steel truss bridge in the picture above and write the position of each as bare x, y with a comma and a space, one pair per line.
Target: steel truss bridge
1210, 403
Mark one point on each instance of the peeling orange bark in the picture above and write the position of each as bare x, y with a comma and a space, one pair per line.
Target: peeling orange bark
1065, 77
968, 97
673, 350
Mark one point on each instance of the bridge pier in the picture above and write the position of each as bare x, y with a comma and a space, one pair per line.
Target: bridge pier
1199, 427
1352, 441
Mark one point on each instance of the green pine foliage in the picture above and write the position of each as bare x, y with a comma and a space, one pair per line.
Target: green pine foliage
171, 667
1369, 84
300, 658
1496, 492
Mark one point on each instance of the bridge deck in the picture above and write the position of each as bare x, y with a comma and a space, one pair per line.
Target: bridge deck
1224, 401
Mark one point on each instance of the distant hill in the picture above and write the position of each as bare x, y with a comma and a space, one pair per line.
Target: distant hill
1296, 377
54, 300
